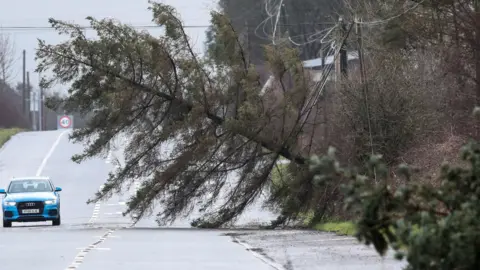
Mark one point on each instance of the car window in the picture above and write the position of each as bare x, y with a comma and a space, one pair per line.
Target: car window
20, 186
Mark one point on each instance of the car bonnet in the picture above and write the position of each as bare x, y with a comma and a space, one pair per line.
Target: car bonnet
27, 196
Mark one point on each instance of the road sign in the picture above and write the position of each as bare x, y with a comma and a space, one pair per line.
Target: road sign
64, 121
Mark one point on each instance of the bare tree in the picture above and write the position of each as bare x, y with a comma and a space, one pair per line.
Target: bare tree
7, 59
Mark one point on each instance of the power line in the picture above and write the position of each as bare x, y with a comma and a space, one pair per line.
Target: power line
43, 28
49, 28
381, 21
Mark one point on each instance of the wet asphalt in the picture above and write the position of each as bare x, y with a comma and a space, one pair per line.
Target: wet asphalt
99, 237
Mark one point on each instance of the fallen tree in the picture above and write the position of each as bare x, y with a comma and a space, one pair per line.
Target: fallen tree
159, 90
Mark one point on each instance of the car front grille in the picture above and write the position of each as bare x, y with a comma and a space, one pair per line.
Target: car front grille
30, 205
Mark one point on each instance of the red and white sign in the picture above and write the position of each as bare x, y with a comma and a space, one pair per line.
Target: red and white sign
65, 121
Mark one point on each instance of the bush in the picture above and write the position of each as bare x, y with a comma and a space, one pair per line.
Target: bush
438, 226
282, 183
397, 108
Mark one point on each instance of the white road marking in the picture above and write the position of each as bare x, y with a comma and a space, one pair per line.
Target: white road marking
100, 236
49, 154
116, 213
92, 248
109, 157
263, 258
95, 214
136, 187
117, 204
78, 260
96, 209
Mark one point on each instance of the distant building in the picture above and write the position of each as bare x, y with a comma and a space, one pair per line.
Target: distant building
318, 66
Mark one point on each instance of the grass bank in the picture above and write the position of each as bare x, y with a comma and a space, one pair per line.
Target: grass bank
7, 133
347, 228
340, 228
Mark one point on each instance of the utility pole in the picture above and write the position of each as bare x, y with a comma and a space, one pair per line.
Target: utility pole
29, 102
279, 25
247, 41
34, 109
24, 90
283, 14
40, 109
477, 60
323, 55
358, 30
41, 117
343, 49
341, 63
363, 78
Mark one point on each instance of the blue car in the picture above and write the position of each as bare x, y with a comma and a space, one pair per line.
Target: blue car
31, 199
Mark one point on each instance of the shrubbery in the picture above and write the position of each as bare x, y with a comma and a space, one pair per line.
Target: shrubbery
437, 225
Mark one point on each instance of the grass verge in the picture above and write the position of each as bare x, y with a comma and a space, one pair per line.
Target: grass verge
7, 133
347, 228
340, 228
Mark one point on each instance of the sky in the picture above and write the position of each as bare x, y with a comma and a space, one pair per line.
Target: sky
133, 12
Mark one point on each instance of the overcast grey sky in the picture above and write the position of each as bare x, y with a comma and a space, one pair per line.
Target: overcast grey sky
134, 12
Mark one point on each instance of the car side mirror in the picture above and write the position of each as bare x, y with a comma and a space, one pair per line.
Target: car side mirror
2, 191
57, 189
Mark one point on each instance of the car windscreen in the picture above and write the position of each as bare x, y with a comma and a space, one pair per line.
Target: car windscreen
20, 186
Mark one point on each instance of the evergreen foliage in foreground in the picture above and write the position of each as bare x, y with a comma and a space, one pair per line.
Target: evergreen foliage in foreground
433, 227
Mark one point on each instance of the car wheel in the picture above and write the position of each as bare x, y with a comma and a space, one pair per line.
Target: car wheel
7, 224
56, 222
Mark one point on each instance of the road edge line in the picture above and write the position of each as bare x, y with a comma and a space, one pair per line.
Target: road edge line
258, 255
49, 153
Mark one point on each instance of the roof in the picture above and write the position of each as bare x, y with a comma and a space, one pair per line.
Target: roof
30, 178
317, 62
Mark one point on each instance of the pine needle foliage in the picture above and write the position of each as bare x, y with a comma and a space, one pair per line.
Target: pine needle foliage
159, 91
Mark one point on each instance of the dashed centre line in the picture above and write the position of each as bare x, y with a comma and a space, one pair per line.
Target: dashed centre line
111, 214
78, 260
96, 210
117, 204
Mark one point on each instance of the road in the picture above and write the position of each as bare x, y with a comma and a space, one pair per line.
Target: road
99, 237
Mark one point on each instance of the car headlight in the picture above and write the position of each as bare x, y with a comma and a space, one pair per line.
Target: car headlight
9, 203
51, 202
